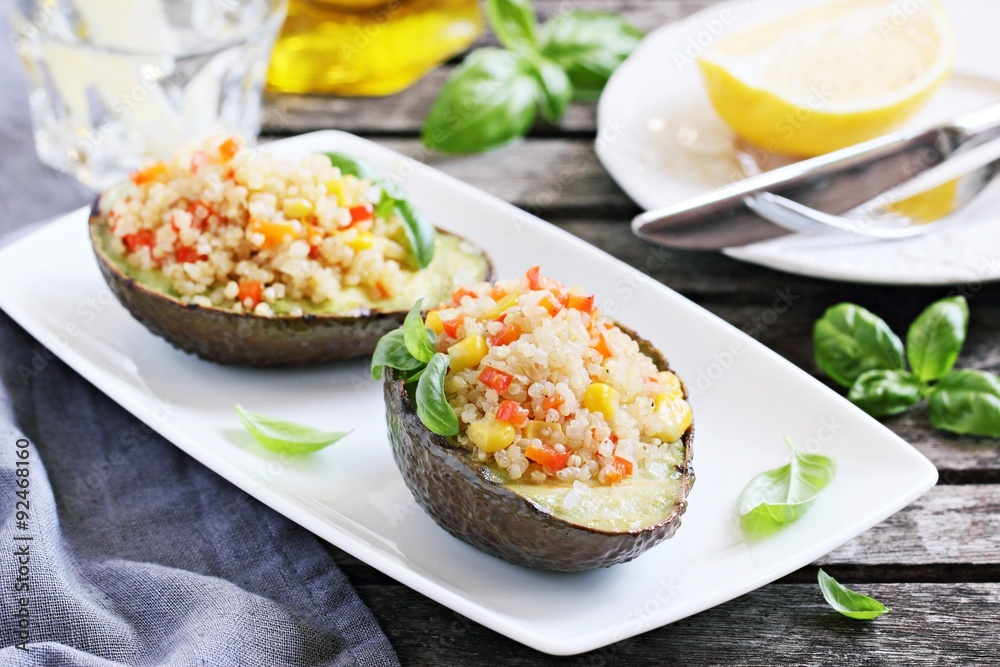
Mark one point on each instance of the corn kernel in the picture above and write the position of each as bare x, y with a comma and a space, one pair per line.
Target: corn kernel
336, 187
363, 241
433, 322
540, 430
491, 435
467, 353
602, 398
296, 207
502, 305
671, 384
675, 414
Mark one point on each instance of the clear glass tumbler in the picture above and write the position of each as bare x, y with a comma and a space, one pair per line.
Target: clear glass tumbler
117, 82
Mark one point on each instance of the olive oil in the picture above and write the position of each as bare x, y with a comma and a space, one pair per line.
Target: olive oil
368, 47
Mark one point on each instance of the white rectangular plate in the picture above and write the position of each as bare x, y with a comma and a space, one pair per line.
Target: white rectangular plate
745, 398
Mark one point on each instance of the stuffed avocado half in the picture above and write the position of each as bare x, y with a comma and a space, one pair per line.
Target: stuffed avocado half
244, 258
530, 426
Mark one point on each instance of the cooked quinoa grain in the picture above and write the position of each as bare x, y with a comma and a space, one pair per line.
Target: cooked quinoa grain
548, 388
241, 229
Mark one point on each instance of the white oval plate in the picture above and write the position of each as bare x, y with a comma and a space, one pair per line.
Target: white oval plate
352, 495
655, 105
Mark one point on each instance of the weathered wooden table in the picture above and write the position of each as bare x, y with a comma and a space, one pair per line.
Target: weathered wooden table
936, 563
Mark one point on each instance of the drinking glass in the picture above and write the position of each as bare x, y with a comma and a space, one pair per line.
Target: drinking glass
114, 83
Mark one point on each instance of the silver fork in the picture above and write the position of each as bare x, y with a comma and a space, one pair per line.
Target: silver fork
901, 185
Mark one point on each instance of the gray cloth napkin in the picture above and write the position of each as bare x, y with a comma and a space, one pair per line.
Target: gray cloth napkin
138, 555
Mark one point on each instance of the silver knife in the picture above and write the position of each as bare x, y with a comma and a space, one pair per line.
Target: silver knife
832, 183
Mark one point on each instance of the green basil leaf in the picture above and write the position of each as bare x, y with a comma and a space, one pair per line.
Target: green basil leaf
936, 337
391, 351
350, 166
416, 336
849, 340
966, 401
779, 496
881, 393
554, 89
286, 437
588, 46
488, 101
432, 406
386, 205
514, 23
420, 233
849, 603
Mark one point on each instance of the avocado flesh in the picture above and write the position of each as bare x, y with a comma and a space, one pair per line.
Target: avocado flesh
455, 262
527, 523
641, 500
318, 336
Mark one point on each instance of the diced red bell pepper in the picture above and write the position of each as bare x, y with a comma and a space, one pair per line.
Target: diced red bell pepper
507, 335
512, 413
552, 402
250, 289
551, 305
620, 469
361, 213
451, 326
495, 379
547, 456
143, 237
582, 303
602, 347
186, 254
460, 292
151, 173
534, 276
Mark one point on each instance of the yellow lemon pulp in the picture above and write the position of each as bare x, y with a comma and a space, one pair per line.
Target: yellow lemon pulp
829, 77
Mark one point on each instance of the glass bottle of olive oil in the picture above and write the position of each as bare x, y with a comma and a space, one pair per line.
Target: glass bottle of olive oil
368, 47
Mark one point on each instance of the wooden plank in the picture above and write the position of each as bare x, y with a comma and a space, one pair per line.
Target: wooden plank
404, 112
931, 624
950, 524
543, 176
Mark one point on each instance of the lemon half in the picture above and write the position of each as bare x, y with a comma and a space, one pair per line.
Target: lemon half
831, 76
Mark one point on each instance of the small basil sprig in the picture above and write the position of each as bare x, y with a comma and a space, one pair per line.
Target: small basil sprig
420, 233
410, 350
492, 97
781, 495
859, 351
849, 603
286, 437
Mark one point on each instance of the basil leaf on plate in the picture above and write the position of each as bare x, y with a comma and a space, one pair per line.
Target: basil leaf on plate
782, 495
488, 101
286, 437
849, 340
416, 336
432, 406
588, 46
514, 23
849, 603
350, 166
420, 233
554, 89
881, 393
966, 401
936, 337
391, 351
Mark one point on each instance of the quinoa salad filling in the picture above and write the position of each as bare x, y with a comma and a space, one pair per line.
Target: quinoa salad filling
246, 231
548, 388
